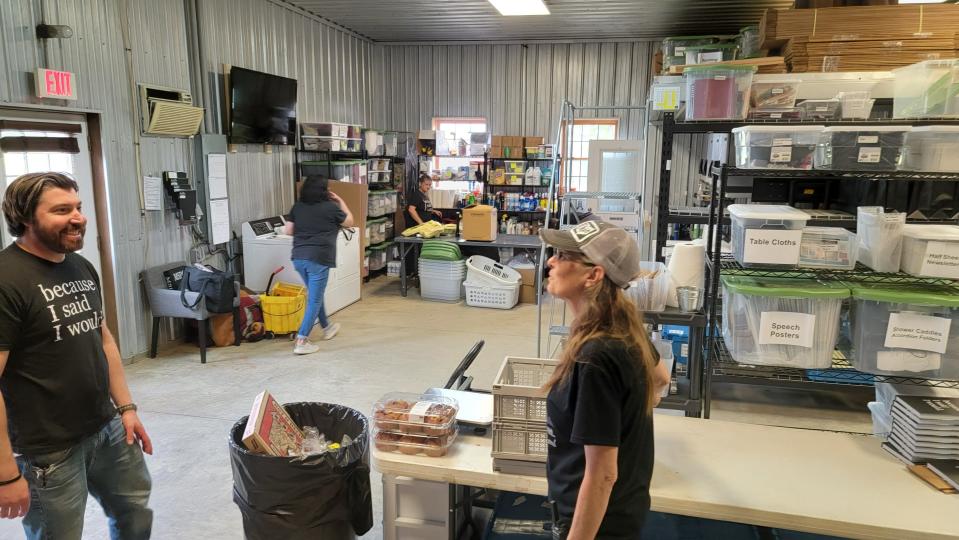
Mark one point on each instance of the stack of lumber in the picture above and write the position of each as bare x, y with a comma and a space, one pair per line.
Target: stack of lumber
862, 38
766, 64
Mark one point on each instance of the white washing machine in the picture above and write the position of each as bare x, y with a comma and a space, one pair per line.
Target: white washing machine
264, 251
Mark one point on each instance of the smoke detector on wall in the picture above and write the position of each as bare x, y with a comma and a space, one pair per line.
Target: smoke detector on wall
168, 112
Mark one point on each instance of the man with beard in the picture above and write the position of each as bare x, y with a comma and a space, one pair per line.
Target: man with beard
61, 435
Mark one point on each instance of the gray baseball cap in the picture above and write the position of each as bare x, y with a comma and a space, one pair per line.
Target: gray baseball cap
602, 244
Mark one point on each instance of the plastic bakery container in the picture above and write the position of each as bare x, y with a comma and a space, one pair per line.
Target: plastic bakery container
776, 147
782, 322
718, 91
905, 330
932, 149
927, 89
756, 224
880, 237
414, 423
930, 250
828, 247
861, 148
779, 94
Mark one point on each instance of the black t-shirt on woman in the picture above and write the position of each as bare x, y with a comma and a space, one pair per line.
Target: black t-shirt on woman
602, 403
56, 384
315, 227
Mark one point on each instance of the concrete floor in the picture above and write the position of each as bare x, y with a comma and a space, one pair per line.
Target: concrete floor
387, 343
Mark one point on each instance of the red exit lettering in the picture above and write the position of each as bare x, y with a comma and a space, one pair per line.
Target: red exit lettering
55, 84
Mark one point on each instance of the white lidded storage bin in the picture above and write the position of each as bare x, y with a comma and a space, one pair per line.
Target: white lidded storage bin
932, 149
650, 289
766, 234
927, 89
828, 247
931, 250
905, 330
880, 237
782, 322
776, 147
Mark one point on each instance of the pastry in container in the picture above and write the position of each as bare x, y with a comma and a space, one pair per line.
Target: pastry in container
415, 414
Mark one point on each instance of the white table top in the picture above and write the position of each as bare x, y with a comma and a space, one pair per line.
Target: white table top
821, 482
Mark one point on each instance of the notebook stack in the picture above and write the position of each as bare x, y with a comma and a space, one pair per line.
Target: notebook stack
924, 428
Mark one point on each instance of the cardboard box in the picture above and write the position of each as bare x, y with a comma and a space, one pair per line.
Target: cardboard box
516, 152
270, 430
479, 223
533, 141
498, 140
527, 291
512, 140
496, 151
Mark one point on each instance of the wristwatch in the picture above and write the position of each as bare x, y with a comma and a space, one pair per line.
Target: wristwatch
128, 407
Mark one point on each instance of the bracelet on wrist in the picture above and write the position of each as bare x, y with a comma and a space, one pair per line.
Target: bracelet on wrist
12, 480
128, 407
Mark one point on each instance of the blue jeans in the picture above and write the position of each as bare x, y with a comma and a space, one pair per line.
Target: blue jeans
315, 275
102, 464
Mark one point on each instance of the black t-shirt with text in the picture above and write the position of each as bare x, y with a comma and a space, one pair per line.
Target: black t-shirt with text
424, 208
602, 403
315, 226
56, 383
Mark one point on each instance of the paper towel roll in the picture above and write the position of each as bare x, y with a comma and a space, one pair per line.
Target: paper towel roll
687, 268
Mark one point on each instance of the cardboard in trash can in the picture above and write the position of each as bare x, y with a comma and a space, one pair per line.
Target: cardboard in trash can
479, 223
527, 291
270, 430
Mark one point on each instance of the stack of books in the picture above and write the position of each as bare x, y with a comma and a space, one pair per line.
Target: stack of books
925, 430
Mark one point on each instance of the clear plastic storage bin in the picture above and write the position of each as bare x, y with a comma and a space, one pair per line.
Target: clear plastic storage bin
782, 322
674, 48
880, 237
861, 148
767, 217
927, 89
780, 94
776, 147
905, 331
718, 92
927, 250
378, 256
750, 42
377, 230
828, 247
819, 109
381, 203
650, 289
442, 280
714, 52
881, 420
932, 149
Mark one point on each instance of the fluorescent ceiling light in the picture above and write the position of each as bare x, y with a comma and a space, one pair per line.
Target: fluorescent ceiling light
520, 7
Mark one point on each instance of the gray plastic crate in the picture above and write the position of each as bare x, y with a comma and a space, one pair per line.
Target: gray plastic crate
525, 441
518, 393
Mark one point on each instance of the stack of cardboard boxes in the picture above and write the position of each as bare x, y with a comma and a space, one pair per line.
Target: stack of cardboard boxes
512, 146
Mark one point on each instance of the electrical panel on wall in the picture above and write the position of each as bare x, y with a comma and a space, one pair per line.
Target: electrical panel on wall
212, 187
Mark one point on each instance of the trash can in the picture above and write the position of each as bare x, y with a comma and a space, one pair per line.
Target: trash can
294, 498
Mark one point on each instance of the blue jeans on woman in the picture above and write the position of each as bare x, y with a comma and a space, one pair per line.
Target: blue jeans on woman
102, 464
315, 275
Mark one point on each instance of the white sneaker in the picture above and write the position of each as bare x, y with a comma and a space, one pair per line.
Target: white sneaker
307, 347
330, 331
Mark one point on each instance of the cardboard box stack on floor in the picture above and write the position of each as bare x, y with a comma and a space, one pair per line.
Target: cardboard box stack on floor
861, 38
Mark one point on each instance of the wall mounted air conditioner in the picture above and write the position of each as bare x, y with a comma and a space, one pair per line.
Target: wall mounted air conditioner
168, 112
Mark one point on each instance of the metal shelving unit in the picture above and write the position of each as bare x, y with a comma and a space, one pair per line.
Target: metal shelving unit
719, 365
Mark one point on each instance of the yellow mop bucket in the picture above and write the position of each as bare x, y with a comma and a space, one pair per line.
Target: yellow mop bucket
283, 308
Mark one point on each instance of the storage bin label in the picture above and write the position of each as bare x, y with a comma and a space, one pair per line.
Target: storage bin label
917, 332
941, 260
780, 154
870, 154
782, 141
786, 328
765, 246
868, 139
913, 361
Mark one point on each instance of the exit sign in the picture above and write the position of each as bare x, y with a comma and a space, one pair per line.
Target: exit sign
55, 84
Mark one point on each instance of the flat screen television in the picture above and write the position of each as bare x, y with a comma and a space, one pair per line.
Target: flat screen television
262, 108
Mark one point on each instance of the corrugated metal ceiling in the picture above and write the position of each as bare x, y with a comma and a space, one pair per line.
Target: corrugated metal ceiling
478, 20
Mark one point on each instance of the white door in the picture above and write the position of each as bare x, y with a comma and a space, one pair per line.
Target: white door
14, 164
616, 167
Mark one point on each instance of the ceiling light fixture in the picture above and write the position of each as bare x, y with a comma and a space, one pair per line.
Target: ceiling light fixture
511, 8
921, 1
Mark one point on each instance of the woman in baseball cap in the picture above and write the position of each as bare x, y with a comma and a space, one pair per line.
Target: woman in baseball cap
601, 397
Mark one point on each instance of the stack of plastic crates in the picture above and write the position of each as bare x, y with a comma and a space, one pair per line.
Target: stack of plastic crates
490, 284
442, 280
519, 415
283, 308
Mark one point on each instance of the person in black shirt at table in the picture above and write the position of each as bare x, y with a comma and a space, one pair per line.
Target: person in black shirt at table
601, 396
419, 208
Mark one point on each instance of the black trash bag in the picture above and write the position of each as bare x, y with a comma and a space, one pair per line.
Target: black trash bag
326, 496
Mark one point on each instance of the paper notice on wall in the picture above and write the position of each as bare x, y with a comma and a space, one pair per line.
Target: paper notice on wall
152, 193
216, 167
666, 98
917, 332
219, 221
941, 260
786, 328
765, 246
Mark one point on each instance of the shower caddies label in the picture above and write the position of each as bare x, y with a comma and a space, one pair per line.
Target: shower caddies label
787, 328
941, 260
767, 246
917, 332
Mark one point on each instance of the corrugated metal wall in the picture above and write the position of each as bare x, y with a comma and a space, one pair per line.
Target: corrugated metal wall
518, 88
332, 66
